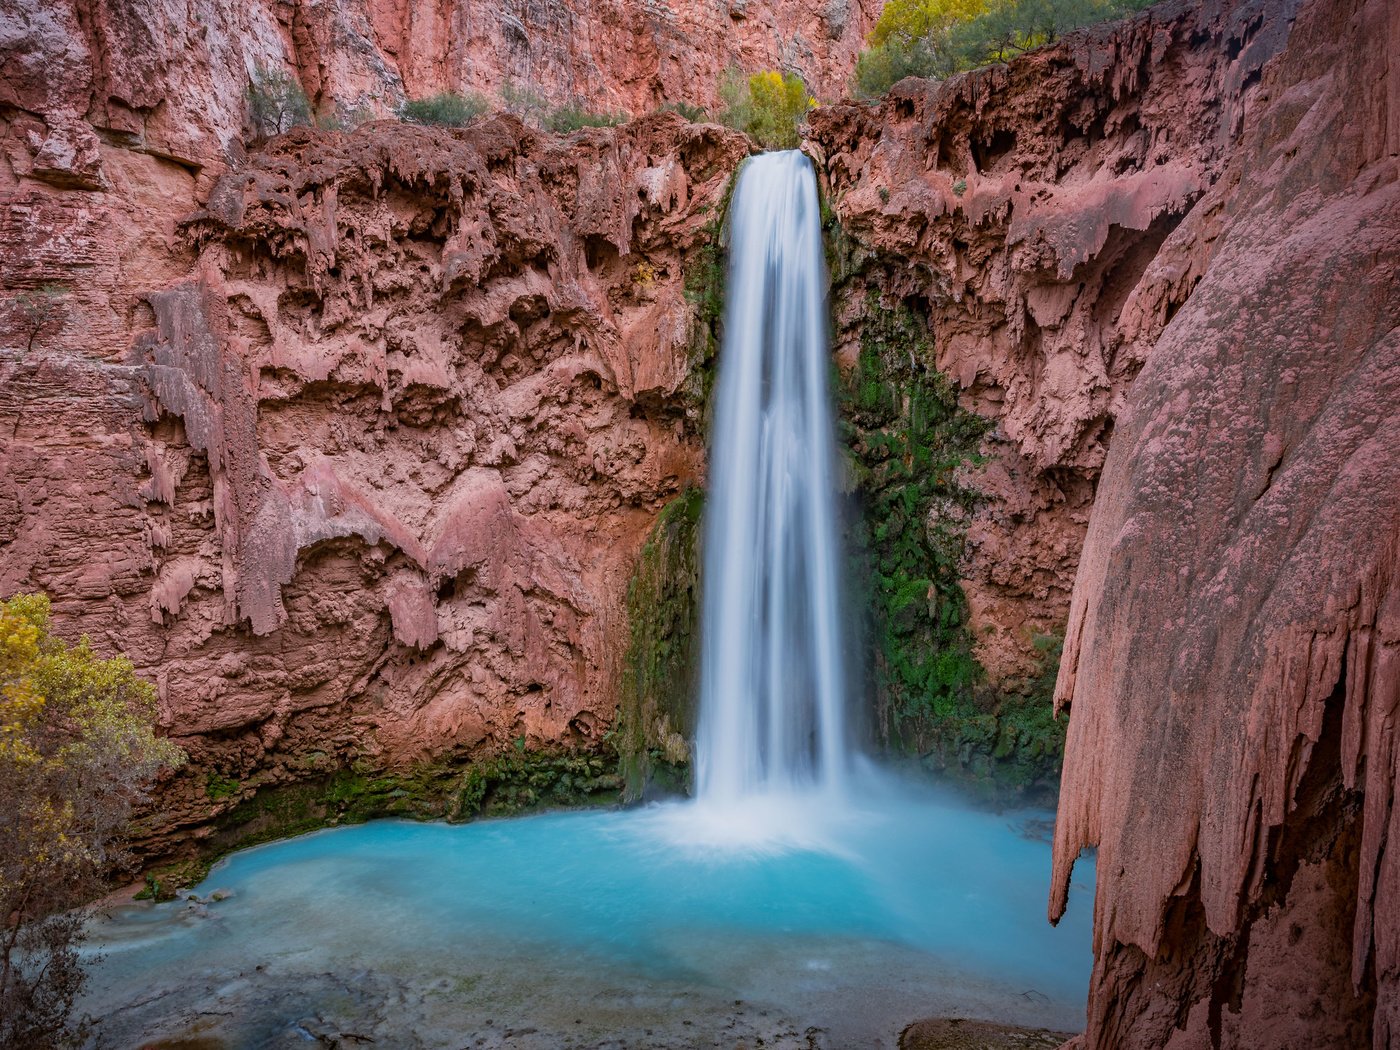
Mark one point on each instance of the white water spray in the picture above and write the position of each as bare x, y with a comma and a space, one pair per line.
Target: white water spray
772, 677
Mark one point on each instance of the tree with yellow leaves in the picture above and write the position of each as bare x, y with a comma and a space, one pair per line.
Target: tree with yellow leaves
77, 751
769, 105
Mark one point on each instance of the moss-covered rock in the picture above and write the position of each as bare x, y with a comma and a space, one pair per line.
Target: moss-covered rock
514, 782
656, 718
910, 448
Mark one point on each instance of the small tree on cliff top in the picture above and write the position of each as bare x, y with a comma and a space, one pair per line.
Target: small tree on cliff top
770, 106
77, 751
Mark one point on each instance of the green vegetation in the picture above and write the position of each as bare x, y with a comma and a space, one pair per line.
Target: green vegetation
770, 106
704, 291
512, 782
694, 114
534, 109
663, 609
909, 442
936, 38
276, 102
445, 109
77, 751
572, 117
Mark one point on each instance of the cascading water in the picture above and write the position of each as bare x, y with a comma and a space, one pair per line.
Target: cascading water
800, 890
772, 686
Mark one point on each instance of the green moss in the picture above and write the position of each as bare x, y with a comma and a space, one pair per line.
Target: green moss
909, 443
705, 267
656, 715
217, 787
503, 785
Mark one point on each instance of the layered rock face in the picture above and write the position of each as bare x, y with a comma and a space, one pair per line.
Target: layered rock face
357, 463
1022, 211
1232, 668
170, 79
1166, 253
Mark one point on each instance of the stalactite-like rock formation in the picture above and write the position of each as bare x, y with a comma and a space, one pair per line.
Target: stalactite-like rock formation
363, 479
1232, 668
1023, 210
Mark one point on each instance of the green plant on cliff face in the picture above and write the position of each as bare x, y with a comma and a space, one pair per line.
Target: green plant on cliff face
38, 313
656, 716
446, 109
276, 102
573, 116
909, 443
704, 291
910, 438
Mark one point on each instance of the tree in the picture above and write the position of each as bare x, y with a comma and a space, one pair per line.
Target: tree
770, 106
936, 38
39, 313
276, 102
77, 751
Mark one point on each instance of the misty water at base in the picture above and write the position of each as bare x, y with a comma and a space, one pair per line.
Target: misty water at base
902, 905
802, 899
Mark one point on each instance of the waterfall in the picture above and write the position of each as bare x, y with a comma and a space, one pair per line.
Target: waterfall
772, 678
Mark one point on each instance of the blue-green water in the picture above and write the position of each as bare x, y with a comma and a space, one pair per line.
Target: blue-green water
851, 919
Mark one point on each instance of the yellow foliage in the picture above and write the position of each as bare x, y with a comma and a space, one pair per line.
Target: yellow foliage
779, 102
76, 746
905, 21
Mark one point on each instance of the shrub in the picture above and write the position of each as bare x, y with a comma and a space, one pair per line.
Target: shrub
770, 106
694, 114
537, 110
276, 102
446, 109
572, 117
77, 750
936, 38
38, 314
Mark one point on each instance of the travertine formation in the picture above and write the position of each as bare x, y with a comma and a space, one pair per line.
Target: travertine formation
1022, 209
1233, 659
365, 474
351, 444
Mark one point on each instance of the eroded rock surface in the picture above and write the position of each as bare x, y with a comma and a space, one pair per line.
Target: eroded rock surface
170, 78
1231, 665
1022, 210
354, 462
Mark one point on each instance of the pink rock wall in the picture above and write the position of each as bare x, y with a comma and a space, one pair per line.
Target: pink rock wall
1023, 210
170, 78
355, 460
1232, 668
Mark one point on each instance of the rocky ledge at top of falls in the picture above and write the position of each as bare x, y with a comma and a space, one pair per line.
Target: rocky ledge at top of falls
364, 475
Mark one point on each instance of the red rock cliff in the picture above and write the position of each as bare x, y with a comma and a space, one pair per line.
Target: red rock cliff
355, 460
1163, 255
170, 78
1023, 211
1233, 662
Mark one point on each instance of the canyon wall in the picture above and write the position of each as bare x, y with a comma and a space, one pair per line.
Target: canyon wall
355, 460
1162, 257
1021, 213
170, 79
1232, 668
